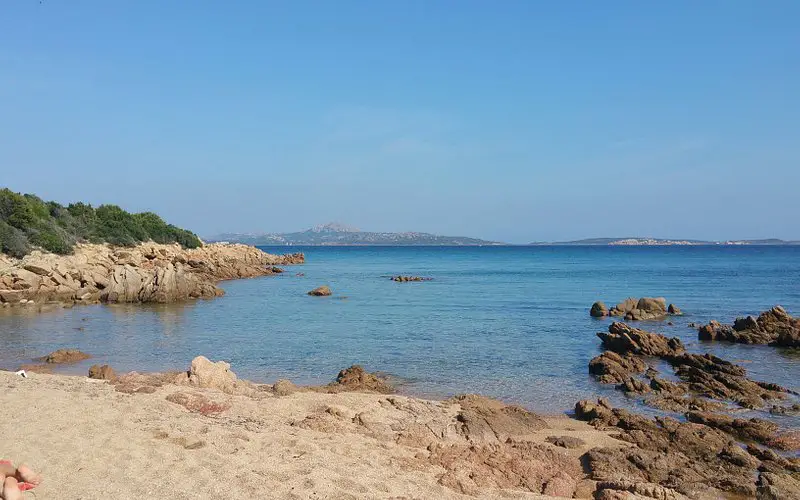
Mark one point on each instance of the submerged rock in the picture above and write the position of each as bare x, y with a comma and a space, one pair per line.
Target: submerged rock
65, 356
404, 279
322, 291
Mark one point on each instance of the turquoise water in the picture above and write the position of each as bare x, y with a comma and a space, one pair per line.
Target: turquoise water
509, 322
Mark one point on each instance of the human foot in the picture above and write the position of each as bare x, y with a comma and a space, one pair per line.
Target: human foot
26, 474
11, 489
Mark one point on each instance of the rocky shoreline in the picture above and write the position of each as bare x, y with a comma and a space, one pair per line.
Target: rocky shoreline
148, 272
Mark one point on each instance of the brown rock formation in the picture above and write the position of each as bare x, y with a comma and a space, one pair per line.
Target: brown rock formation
149, 272
356, 379
104, 372
612, 368
646, 308
64, 356
775, 327
598, 310
322, 291
624, 339
692, 458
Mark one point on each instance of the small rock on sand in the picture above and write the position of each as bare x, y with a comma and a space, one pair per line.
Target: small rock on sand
284, 388
104, 372
205, 373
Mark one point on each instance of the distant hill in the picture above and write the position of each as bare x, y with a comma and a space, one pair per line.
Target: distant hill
338, 234
28, 222
639, 241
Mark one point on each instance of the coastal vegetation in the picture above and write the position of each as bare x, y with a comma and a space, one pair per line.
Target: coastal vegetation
28, 222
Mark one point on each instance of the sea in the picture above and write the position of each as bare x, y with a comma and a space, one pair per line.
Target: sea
508, 322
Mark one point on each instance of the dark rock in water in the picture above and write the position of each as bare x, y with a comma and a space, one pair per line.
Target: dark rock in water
692, 325
323, 291
624, 307
356, 379
674, 310
404, 279
710, 376
785, 410
104, 372
598, 310
634, 386
624, 339
775, 327
568, 442
646, 308
612, 368
64, 356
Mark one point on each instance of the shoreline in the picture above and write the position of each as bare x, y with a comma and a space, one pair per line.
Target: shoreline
146, 273
365, 440
295, 444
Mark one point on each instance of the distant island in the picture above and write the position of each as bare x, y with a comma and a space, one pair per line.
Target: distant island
338, 234
639, 241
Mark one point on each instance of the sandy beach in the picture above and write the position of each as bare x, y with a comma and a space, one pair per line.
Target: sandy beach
92, 442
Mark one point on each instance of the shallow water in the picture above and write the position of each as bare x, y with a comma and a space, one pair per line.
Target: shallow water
509, 322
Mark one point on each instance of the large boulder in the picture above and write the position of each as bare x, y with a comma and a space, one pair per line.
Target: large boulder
356, 379
645, 308
322, 291
207, 374
104, 372
598, 310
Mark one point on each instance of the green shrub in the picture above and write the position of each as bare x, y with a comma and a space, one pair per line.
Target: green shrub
13, 241
27, 221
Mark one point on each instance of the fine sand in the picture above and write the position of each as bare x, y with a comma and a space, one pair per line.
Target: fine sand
92, 442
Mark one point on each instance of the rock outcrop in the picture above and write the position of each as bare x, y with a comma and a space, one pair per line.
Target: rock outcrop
632, 309
63, 356
775, 327
624, 339
699, 458
149, 272
613, 368
356, 379
321, 291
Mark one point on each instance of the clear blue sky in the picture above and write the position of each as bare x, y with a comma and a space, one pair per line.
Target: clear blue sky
513, 120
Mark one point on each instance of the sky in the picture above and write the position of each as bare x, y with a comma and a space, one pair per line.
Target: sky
513, 121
